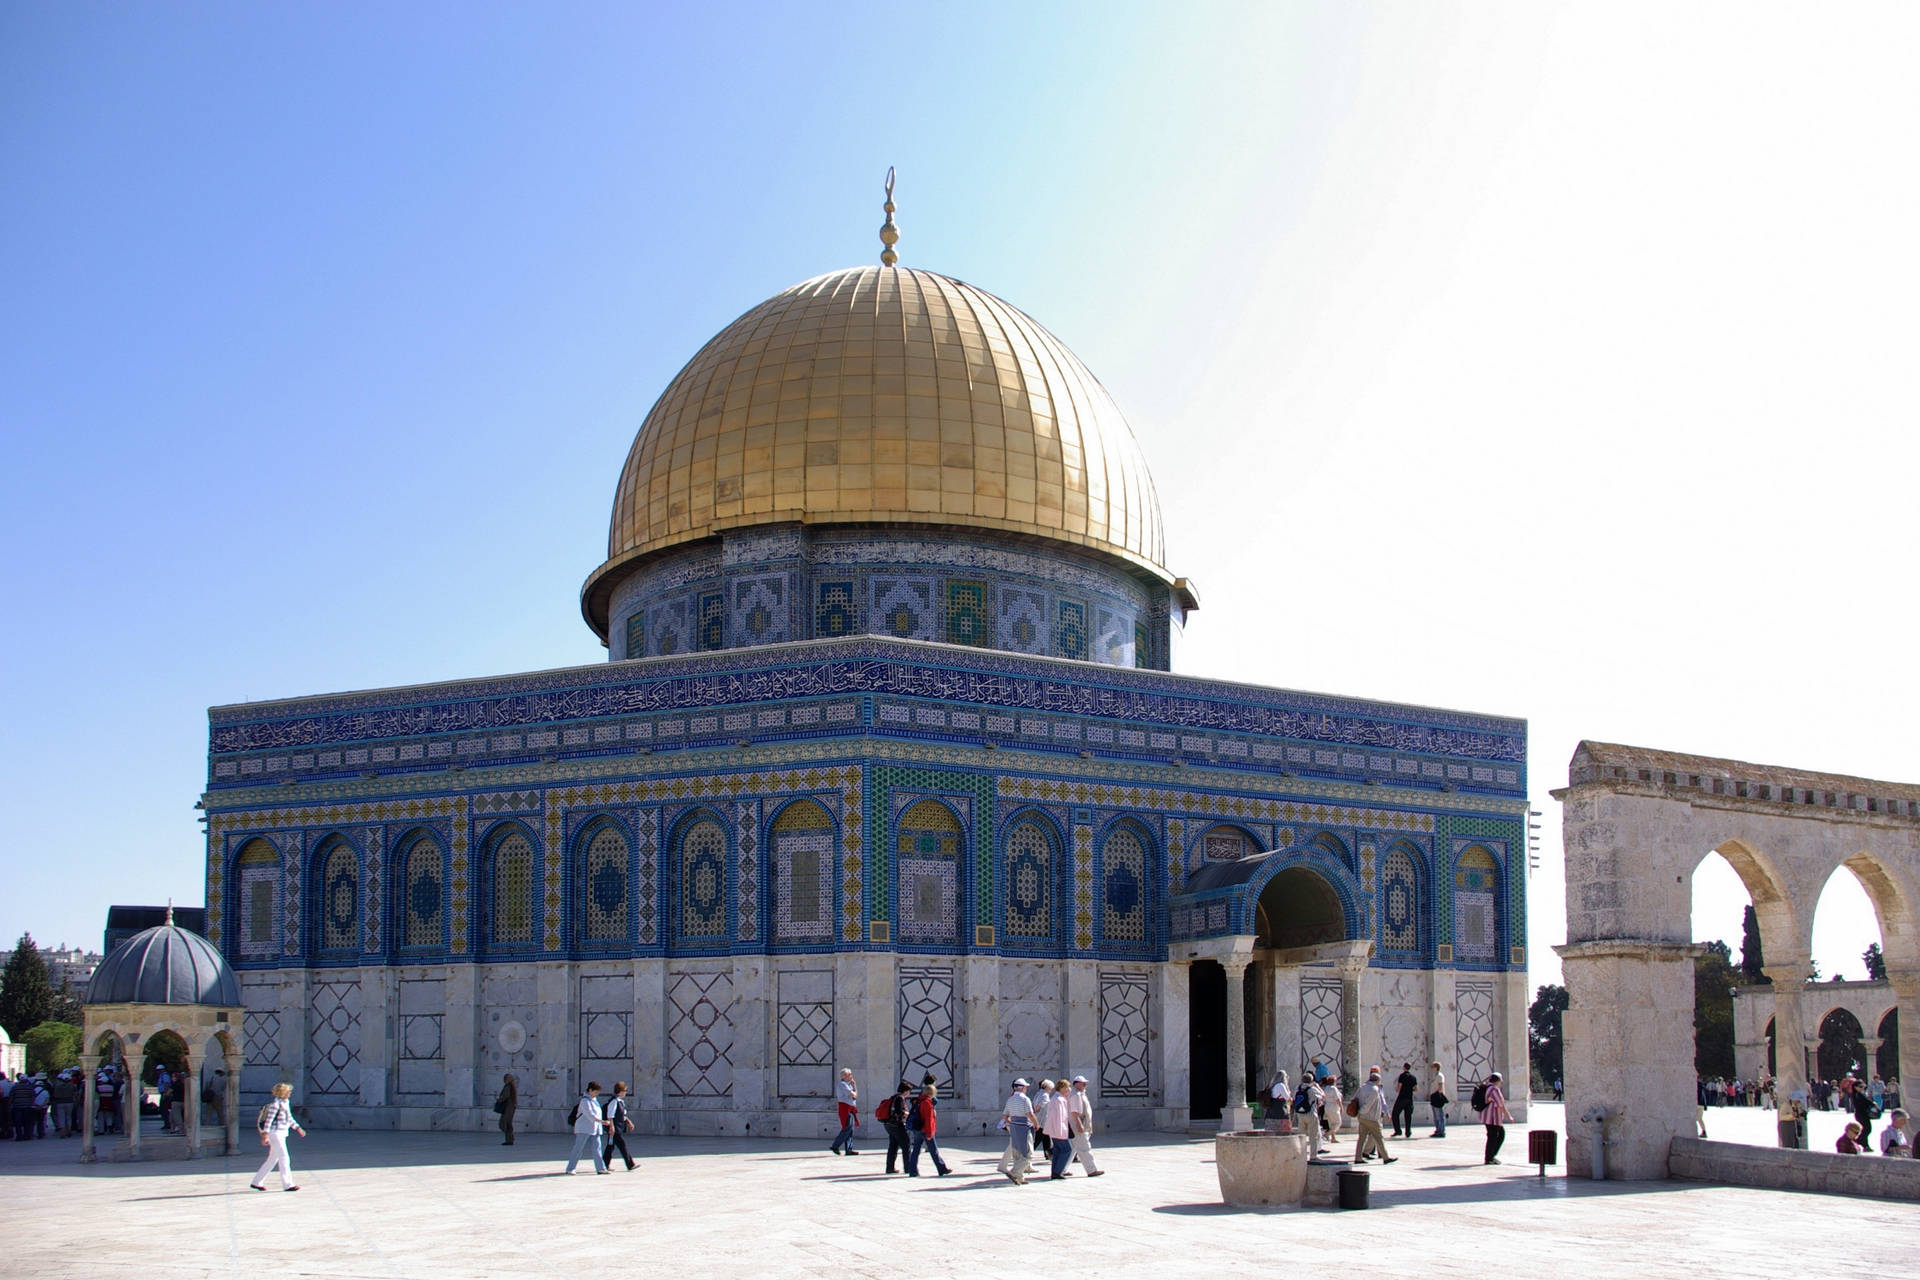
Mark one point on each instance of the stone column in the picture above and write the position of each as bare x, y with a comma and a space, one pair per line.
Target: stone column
1083, 1021
1261, 1032
1870, 1046
89, 1105
1789, 1028
1906, 992
1235, 1114
1286, 1022
233, 1058
1353, 1048
1174, 1048
1630, 1003
190, 1120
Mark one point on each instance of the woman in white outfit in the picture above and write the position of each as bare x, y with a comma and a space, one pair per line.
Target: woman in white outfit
275, 1119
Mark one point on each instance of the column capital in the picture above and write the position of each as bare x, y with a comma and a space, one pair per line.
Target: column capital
1236, 966
1350, 966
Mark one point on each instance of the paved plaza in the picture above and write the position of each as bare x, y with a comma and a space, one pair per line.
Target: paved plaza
445, 1204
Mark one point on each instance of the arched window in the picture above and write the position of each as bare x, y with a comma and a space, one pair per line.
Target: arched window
512, 895
604, 885
1400, 902
257, 889
420, 885
803, 874
1029, 883
927, 848
339, 898
703, 880
1124, 889
1476, 910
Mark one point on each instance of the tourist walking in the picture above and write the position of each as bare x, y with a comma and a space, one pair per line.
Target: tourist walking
1041, 1142
1495, 1116
589, 1122
892, 1114
1370, 1108
274, 1122
505, 1105
1333, 1112
1403, 1101
1016, 1117
64, 1096
1055, 1123
846, 1097
1854, 1099
619, 1125
1080, 1124
923, 1119
1307, 1105
1437, 1098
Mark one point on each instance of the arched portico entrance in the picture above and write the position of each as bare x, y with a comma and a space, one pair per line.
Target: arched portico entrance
1246, 1017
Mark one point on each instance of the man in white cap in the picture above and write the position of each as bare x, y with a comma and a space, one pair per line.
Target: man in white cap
1372, 1102
1080, 1125
1017, 1118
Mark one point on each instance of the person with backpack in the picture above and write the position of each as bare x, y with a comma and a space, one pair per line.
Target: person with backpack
1491, 1103
1307, 1101
923, 1122
588, 1122
274, 1122
619, 1125
892, 1115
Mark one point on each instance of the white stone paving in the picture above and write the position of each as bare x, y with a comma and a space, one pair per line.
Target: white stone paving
459, 1204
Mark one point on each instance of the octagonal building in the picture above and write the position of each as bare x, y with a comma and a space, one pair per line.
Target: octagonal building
888, 770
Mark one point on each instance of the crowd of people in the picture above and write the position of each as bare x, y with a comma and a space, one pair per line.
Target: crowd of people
32, 1103
1319, 1110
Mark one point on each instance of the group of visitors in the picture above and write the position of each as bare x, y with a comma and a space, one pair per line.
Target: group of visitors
1062, 1121
1833, 1095
1895, 1140
1318, 1108
1718, 1091
600, 1127
28, 1104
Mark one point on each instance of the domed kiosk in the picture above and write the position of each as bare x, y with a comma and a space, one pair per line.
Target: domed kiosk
889, 769
164, 980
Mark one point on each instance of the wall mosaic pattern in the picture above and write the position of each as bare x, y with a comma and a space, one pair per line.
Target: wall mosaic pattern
1125, 1034
803, 1034
604, 885
927, 1026
699, 1035
1322, 1003
1473, 1031
333, 1037
804, 873
1123, 903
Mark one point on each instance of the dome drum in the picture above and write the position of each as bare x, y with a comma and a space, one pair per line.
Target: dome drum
959, 586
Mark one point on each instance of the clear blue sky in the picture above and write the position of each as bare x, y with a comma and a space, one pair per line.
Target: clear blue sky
1547, 361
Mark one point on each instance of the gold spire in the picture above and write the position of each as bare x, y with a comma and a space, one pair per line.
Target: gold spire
889, 234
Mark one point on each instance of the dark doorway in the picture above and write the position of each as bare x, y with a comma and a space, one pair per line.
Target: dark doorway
1841, 1053
1207, 1037
1886, 1063
1773, 1051
1207, 1031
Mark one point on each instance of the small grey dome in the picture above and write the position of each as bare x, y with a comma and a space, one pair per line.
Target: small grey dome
164, 965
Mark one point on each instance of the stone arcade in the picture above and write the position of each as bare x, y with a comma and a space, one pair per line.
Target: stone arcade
1637, 822
888, 770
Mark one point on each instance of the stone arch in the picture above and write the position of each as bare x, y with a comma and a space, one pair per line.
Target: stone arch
1895, 899
802, 839
1300, 905
1784, 937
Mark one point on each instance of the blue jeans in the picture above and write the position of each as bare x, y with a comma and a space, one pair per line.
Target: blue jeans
588, 1141
926, 1142
1439, 1121
845, 1140
1062, 1156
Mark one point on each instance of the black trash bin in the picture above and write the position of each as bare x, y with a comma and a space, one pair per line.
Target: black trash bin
1354, 1185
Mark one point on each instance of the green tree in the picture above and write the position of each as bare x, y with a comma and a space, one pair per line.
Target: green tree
1713, 981
1752, 963
52, 1046
1876, 963
26, 998
67, 1006
1544, 1049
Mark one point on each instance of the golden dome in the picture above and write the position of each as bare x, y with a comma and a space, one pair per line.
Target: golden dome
883, 395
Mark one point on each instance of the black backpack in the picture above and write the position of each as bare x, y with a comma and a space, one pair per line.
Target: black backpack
913, 1117
1479, 1099
1301, 1102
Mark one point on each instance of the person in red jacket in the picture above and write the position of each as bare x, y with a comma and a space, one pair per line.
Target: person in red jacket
924, 1123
